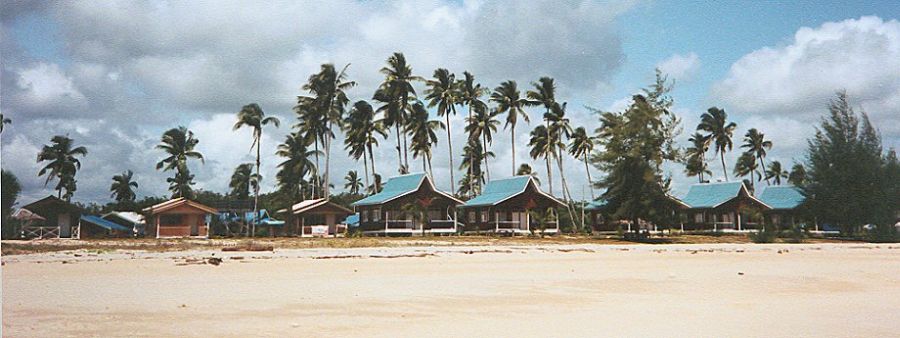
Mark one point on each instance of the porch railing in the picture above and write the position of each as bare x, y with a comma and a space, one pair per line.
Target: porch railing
40, 232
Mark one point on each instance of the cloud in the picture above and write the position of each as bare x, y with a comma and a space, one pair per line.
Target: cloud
43, 87
796, 80
680, 67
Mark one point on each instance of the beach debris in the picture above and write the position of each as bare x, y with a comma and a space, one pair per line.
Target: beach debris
251, 246
740, 273
214, 261
183, 306
574, 250
236, 258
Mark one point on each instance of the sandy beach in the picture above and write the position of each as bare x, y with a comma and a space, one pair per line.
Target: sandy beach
840, 290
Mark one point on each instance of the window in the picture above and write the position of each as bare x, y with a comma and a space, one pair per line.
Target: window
472, 216
698, 218
171, 219
364, 215
485, 215
376, 214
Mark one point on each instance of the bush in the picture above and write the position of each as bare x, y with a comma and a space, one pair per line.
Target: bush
766, 235
883, 233
796, 233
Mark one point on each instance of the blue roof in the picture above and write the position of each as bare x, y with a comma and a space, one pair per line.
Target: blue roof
395, 187
710, 195
108, 225
595, 205
782, 197
500, 190
352, 220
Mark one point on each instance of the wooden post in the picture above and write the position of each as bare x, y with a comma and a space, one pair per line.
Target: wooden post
738, 216
527, 220
496, 222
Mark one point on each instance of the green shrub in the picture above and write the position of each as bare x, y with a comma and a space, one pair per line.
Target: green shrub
766, 235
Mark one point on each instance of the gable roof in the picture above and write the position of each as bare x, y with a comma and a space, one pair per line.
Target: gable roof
498, 191
51, 203
174, 203
127, 216
399, 186
711, 195
307, 205
108, 225
782, 197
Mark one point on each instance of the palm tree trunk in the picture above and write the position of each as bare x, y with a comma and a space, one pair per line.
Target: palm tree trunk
471, 179
567, 195
327, 162
317, 185
450, 148
372, 159
256, 189
430, 168
763, 163
549, 173
366, 168
724, 169
590, 181
487, 167
513, 142
399, 154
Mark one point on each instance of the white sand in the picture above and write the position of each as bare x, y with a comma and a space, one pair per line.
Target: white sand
596, 290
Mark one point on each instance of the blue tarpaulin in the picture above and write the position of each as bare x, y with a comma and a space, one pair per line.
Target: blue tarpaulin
96, 220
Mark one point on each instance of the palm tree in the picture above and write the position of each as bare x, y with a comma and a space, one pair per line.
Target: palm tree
526, 170
354, 183
756, 143
240, 181
296, 166
798, 175
696, 155
376, 185
473, 157
580, 146
4, 121
544, 94
483, 125
776, 173
443, 93
396, 92
253, 116
470, 95
179, 144
422, 135
747, 165
361, 134
508, 101
715, 123
542, 146
122, 188
63, 163
559, 129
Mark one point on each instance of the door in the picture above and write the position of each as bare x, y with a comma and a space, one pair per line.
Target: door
195, 230
65, 225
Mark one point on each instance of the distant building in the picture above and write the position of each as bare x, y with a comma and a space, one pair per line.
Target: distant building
505, 206
784, 201
392, 210
722, 206
319, 217
49, 217
179, 217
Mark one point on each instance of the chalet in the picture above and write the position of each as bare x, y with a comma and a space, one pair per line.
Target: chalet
721, 206
505, 206
49, 217
601, 223
179, 217
408, 204
319, 217
784, 201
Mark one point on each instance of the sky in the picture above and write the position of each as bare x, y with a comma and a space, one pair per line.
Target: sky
115, 75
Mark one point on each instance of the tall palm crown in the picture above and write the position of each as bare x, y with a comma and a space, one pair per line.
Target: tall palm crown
542, 147
483, 125
4, 121
63, 163
544, 94
422, 133
297, 165
776, 173
508, 100
122, 188
526, 170
715, 123
746, 165
241, 181
179, 144
396, 92
470, 95
580, 146
473, 158
756, 144
253, 117
354, 183
798, 175
696, 155
443, 92
360, 134
324, 108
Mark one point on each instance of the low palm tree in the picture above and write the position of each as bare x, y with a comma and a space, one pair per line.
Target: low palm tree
422, 135
715, 123
253, 117
798, 175
443, 93
4, 121
526, 170
542, 147
359, 129
747, 165
297, 165
354, 183
472, 161
483, 125
544, 94
580, 146
63, 163
178, 144
776, 173
417, 212
123, 186
376, 185
508, 100
756, 143
240, 181
696, 156
470, 95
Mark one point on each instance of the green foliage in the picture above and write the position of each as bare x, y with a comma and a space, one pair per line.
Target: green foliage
63, 164
123, 186
8, 196
767, 234
178, 144
848, 180
637, 142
